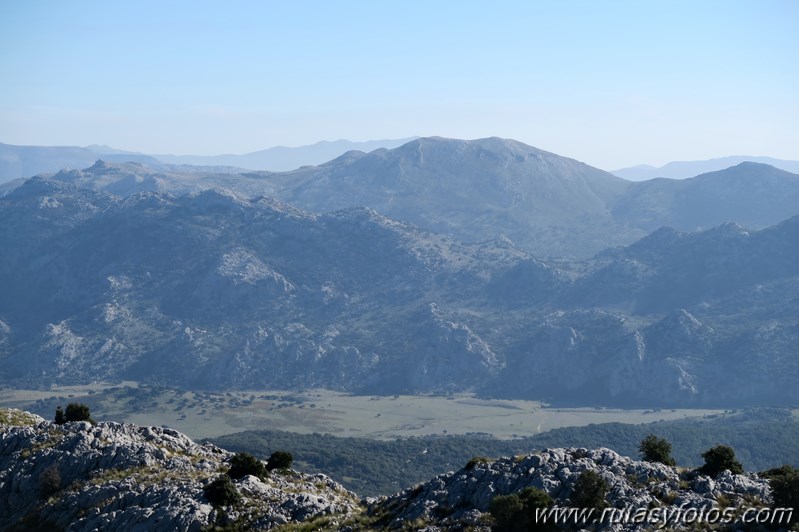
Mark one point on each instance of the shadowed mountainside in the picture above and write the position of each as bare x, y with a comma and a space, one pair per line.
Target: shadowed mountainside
212, 290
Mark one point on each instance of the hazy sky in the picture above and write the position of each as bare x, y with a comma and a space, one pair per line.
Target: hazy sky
609, 83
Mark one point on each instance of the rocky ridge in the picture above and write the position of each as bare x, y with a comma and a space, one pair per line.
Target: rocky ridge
461, 499
111, 476
120, 476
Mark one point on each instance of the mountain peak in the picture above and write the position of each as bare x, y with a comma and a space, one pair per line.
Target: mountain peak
98, 165
493, 144
474, 190
747, 170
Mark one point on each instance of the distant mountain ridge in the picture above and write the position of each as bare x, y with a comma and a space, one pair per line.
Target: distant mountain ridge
27, 161
751, 194
283, 158
486, 189
685, 169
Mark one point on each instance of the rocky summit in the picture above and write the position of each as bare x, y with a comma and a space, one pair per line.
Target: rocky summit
119, 476
110, 476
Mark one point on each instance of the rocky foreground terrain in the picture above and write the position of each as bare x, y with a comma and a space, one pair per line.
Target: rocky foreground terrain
112, 476
463, 498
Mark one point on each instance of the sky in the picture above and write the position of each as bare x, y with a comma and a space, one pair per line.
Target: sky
610, 83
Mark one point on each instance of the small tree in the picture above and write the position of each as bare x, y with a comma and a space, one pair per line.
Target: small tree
784, 483
719, 458
49, 481
654, 449
60, 419
508, 513
279, 460
78, 412
589, 491
246, 464
222, 492
517, 511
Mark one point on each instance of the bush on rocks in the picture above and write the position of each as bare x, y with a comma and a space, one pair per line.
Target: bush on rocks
222, 492
49, 481
654, 449
516, 512
719, 458
784, 483
279, 460
589, 491
243, 464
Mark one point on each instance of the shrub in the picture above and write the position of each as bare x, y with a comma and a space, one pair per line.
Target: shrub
516, 512
589, 491
508, 513
476, 460
222, 492
719, 458
654, 449
784, 483
77, 412
279, 460
246, 464
60, 419
723, 501
49, 481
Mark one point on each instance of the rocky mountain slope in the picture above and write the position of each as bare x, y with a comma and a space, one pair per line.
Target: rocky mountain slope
112, 476
214, 291
109, 476
219, 286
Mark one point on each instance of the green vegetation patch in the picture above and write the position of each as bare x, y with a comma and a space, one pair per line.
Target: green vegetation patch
17, 418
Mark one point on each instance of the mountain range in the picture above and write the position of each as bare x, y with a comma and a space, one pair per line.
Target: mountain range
213, 290
481, 190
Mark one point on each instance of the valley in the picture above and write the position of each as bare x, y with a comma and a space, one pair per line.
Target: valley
212, 414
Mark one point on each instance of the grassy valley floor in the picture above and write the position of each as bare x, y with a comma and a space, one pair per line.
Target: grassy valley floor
210, 414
